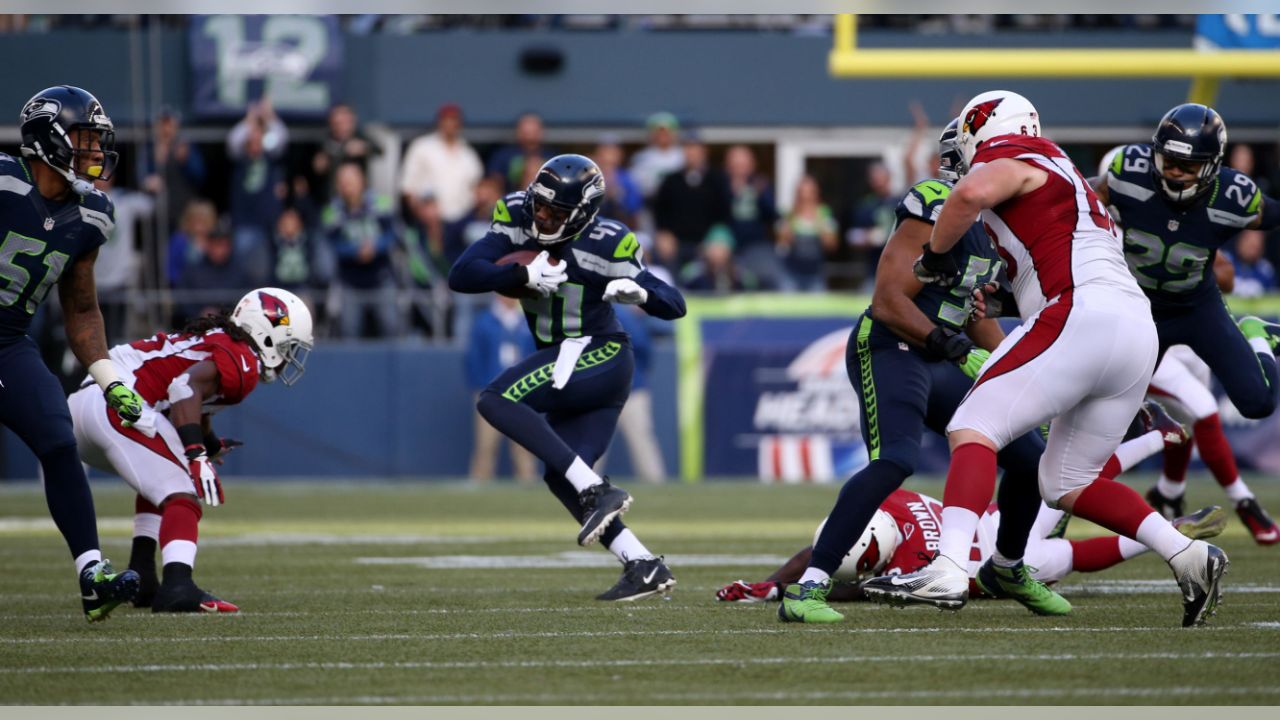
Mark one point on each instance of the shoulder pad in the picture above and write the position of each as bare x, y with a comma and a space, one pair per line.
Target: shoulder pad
507, 210
924, 200
1235, 199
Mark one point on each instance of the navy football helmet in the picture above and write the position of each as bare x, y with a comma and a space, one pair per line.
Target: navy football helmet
563, 199
1192, 137
951, 164
46, 123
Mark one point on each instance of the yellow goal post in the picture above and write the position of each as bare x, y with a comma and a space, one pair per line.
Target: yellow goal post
1204, 67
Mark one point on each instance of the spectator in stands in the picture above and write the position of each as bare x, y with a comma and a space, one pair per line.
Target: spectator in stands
622, 197
1255, 275
805, 236
424, 244
509, 163
922, 136
174, 168
689, 202
636, 420
345, 142
660, 157
716, 270
499, 338
873, 220
445, 165
488, 193
256, 145
115, 272
198, 220
215, 280
292, 253
1242, 160
360, 227
753, 215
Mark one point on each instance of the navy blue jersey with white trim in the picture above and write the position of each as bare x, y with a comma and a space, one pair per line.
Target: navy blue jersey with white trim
1170, 248
975, 255
39, 240
604, 251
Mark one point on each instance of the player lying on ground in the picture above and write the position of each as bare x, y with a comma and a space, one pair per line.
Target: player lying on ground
903, 535
53, 221
168, 456
1082, 359
562, 403
1180, 223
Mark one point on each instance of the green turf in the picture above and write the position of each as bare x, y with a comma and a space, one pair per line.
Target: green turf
318, 627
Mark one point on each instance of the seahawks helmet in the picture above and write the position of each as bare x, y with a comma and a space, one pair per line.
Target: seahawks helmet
572, 188
46, 124
1189, 134
951, 164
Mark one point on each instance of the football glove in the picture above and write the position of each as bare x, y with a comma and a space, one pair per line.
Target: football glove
973, 362
126, 402
745, 592
933, 268
217, 448
947, 344
204, 476
625, 291
543, 276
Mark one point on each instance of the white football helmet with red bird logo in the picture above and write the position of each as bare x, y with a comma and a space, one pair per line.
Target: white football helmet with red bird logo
992, 114
280, 325
871, 552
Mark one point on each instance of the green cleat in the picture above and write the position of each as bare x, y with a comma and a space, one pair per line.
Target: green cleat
1204, 523
807, 603
102, 589
1016, 583
1255, 327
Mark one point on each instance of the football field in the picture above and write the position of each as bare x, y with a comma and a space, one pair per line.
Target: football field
424, 593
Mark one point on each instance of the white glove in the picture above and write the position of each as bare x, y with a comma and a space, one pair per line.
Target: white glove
205, 478
625, 291
543, 276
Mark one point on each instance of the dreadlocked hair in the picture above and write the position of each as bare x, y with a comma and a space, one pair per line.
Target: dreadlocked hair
220, 320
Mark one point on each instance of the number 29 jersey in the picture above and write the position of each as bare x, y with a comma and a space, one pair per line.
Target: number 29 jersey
39, 239
1170, 248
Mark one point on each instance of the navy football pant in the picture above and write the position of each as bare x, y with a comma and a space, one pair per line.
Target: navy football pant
902, 394
1248, 377
33, 406
577, 420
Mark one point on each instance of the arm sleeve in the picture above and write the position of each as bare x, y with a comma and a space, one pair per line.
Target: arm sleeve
235, 140
477, 270
664, 301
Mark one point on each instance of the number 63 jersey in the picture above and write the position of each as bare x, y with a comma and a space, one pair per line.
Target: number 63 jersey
1170, 248
606, 250
40, 239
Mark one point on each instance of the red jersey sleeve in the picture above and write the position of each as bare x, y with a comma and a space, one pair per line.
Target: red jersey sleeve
237, 366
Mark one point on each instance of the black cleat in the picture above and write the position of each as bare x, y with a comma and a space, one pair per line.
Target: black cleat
186, 597
1261, 526
102, 589
149, 583
600, 505
1170, 508
641, 578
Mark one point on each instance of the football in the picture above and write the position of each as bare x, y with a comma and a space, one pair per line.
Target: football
522, 257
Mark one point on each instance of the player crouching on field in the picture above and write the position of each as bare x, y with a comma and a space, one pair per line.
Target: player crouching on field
168, 456
547, 246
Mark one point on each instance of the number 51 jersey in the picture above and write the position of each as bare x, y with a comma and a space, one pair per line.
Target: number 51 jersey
1170, 248
41, 239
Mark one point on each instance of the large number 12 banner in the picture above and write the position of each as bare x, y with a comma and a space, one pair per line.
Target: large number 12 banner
295, 60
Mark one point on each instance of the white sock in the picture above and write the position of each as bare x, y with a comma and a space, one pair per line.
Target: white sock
628, 547
1238, 491
1138, 449
1260, 346
87, 558
181, 551
958, 527
813, 574
1001, 561
1131, 548
581, 475
146, 525
1156, 533
1171, 489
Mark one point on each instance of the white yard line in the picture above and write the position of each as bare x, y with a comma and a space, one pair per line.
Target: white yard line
555, 635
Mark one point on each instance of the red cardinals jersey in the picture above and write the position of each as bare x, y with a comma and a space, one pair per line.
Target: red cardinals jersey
919, 519
1057, 237
150, 366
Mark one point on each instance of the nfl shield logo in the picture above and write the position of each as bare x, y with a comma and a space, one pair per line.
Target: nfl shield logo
48, 223
1173, 224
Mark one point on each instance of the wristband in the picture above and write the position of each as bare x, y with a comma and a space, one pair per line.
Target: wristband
192, 438
104, 373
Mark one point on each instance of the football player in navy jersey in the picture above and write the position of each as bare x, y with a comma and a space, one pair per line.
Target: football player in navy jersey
562, 402
911, 358
53, 223
1178, 206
